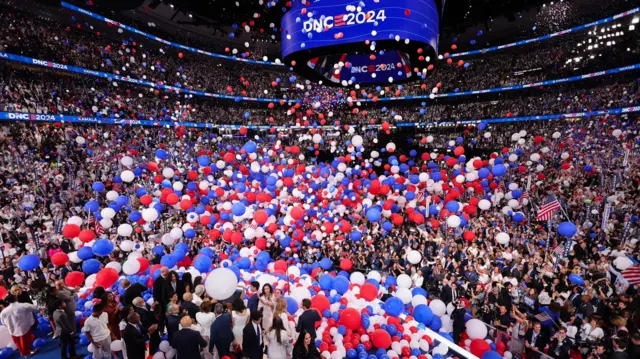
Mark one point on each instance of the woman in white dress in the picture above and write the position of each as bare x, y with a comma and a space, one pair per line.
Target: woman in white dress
267, 305
205, 318
240, 316
281, 312
277, 341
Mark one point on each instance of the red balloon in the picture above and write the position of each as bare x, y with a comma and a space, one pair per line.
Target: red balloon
320, 302
71, 230
381, 339
146, 200
346, 264
86, 235
368, 291
469, 236
185, 204
261, 243
297, 212
144, 264
74, 279
3, 292
350, 318
172, 199
479, 347
261, 216
107, 277
280, 265
59, 259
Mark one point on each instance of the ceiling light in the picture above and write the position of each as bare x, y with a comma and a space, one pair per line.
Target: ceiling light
635, 20
632, 27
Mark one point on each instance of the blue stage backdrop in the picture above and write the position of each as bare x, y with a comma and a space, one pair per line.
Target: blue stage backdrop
375, 43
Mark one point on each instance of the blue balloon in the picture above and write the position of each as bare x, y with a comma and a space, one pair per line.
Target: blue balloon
135, 216
423, 314
202, 264
326, 282
567, 229
98, 186
373, 214
238, 209
161, 154
102, 247
491, 355
8, 352
326, 263
394, 306
292, 305
576, 279
91, 266
518, 217
203, 161
29, 262
499, 170
39, 343
436, 323
341, 284
169, 261
85, 253
453, 206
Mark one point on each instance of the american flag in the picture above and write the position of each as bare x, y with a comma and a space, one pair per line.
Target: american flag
632, 275
558, 251
97, 227
523, 197
98, 156
546, 210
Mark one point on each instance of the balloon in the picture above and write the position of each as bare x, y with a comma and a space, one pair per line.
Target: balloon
71, 230
102, 247
350, 318
29, 262
221, 283
39, 343
478, 347
438, 307
131, 267
125, 230
567, 229
453, 221
381, 338
116, 346
476, 329
414, 257
202, 264
502, 238
74, 279
91, 266
394, 306
576, 279
59, 258
368, 291
491, 355
107, 277
423, 314
320, 302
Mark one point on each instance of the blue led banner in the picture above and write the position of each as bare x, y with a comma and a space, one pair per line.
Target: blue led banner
548, 36
30, 117
166, 42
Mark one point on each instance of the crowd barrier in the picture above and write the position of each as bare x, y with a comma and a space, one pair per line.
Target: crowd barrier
64, 67
166, 42
31, 117
80, 70
548, 36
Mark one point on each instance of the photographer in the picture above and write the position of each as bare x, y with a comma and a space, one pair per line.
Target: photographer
560, 344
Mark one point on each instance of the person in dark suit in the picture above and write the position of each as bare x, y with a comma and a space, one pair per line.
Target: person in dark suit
176, 284
173, 320
449, 294
221, 335
307, 320
188, 306
131, 292
252, 343
252, 302
148, 319
187, 342
619, 347
534, 340
161, 291
458, 320
65, 270
560, 345
135, 336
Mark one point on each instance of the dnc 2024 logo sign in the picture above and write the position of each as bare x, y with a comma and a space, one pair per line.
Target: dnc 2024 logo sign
352, 18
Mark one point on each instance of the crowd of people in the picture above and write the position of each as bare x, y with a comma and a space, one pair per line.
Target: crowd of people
502, 240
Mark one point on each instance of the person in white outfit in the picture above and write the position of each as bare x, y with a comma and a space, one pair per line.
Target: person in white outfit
267, 306
277, 341
239, 318
205, 318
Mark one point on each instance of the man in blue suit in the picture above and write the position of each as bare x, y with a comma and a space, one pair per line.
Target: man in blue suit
252, 303
187, 342
221, 335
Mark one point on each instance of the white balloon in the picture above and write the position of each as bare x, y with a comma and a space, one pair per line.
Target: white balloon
404, 281
357, 278
149, 214
484, 204
357, 140
106, 223
453, 221
502, 238
73, 257
127, 245
418, 299
131, 267
164, 346
126, 161
116, 345
176, 233
168, 172
374, 275
127, 176
114, 265
404, 294
221, 283
476, 329
438, 307
125, 230
75, 220
414, 257
108, 213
